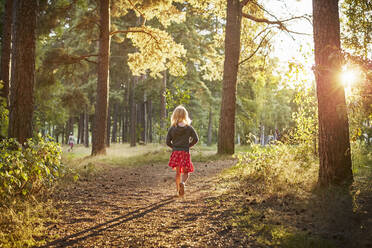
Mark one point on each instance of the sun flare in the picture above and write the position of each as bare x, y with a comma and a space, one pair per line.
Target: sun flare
348, 77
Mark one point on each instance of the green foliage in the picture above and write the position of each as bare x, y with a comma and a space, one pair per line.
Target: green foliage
178, 96
357, 26
29, 169
23, 223
3, 114
279, 166
361, 155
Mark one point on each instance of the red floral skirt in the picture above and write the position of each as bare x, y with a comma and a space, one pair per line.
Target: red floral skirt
181, 159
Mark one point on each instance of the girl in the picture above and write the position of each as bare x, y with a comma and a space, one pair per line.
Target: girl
181, 136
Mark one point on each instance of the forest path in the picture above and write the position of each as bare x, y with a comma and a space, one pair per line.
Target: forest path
138, 207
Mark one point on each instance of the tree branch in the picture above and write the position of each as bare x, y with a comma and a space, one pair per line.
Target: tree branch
141, 14
137, 31
306, 17
243, 3
280, 24
255, 51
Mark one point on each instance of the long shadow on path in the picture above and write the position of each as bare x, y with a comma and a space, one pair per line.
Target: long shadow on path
95, 230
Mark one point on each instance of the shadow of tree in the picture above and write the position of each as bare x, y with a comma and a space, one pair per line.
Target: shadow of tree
97, 229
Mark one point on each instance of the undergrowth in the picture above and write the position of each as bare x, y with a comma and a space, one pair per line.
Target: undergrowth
23, 222
28, 175
276, 190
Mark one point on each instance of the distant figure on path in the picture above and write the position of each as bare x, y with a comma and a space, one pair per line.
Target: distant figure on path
71, 141
181, 136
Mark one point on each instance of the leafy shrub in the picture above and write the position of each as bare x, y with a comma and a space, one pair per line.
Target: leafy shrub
27, 170
277, 166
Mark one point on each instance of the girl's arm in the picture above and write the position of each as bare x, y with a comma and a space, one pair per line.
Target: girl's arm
194, 137
169, 138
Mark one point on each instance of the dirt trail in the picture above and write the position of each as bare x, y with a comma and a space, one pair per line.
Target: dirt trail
138, 207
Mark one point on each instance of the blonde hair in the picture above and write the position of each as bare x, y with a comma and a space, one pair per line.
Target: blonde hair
180, 114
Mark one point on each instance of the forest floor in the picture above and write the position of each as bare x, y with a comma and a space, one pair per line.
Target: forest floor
137, 206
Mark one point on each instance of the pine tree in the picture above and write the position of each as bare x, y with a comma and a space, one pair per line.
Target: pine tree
23, 70
334, 143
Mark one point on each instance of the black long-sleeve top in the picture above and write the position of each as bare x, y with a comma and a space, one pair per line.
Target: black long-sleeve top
181, 138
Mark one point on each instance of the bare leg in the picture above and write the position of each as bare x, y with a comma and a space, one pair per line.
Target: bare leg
178, 178
185, 176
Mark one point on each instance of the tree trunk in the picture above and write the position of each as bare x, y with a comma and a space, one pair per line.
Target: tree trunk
63, 134
209, 139
126, 118
23, 71
80, 128
86, 123
334, 143
163, 106
82, 134
124, 125
149, 103
115, 123
226, 129
69, 128
100, 123
139, 121
144, 118
6, 49
108, 126
133, 112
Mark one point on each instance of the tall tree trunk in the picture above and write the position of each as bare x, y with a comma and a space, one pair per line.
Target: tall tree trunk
108, 126
133, 112
63, 134
115, 123
125, 133
139, 121
86, 123
79, 130
334, 143
209, 139
163, 106
69, 128
82, 132
149, 103
100, 123
144, 118
226, 129
124, 123
6, 49
23, 71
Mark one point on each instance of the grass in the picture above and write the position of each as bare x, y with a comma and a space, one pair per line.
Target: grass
23, 222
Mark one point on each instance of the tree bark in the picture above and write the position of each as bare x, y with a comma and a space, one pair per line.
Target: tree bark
226, 129
209, 139
144, 118
69, 128
334, 143
133, 112
163, 106
108, 126
100, 123
63, 135
149, 103
82, 134
125, 133
124, 125
80, 128
115, 121
23, 71
6, 42
86, 123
